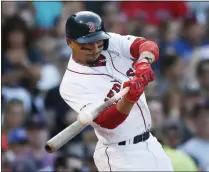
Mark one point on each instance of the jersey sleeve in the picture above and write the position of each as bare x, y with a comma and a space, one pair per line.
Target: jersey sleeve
122, 43
132, 47
78, 97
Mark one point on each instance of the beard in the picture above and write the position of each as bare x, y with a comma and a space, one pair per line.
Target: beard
93, 62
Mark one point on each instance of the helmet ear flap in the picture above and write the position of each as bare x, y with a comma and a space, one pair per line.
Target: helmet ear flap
67, 41
106, 43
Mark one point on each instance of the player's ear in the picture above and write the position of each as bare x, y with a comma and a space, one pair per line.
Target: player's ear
69, 42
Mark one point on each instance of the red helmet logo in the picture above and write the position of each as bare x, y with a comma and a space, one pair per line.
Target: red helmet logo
92, 27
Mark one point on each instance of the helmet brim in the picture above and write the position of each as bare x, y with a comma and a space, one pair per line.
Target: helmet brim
93, 37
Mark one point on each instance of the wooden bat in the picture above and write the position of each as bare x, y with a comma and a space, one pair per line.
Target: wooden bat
72, 130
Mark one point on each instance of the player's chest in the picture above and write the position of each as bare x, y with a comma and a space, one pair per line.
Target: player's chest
117, 67
112, 74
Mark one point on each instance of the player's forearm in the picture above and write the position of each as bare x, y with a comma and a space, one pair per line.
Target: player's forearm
142, 48
149, 50
124, 106
115, 115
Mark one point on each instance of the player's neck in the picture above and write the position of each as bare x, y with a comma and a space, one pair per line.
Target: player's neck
81, 60
78, 59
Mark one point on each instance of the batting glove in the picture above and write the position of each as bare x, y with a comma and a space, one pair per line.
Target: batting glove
144, 71
137, 86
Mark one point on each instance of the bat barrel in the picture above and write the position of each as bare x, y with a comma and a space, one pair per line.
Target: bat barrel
49, 148
63, 137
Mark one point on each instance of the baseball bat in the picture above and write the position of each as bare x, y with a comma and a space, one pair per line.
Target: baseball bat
75, 128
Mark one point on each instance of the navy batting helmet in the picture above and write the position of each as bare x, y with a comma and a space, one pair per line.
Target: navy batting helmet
85, 27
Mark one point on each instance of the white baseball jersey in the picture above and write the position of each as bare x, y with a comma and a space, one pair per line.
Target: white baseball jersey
88, 87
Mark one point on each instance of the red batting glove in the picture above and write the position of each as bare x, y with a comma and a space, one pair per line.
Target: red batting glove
136, 89
144, 71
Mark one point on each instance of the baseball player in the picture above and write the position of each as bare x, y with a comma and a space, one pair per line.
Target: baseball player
101, 64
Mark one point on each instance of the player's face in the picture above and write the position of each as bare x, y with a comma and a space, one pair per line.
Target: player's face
88, 52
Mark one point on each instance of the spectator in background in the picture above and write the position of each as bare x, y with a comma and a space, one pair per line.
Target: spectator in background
172, 72
90, 164
56, 108
207, 23
197, 55
26, 12
23, 165
71, 7
9, 8
152, 91
37, 133
151, 32
5, 165
17, 140
158, 117
47, 46
21, 64
14, 116
198, 146
172, 132
169, 33
46, 14
193, 36
172, 102
95, 6
190, 96
154, 12
200, 8
67, 162
202, 74
112, 18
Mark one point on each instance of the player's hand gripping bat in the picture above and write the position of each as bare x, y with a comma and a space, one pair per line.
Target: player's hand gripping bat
71, 131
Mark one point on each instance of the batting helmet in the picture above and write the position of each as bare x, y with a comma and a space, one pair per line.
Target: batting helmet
85, 27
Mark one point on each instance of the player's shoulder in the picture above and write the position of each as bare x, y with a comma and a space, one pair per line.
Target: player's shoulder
118, 41
113, 35
116, 38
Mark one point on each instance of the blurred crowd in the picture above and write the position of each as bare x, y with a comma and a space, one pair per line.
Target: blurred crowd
34, 58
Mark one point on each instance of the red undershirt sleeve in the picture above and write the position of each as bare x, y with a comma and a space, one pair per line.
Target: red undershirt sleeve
110, 118
141, 44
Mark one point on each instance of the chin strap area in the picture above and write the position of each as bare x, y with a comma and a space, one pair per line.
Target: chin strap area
106, 43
